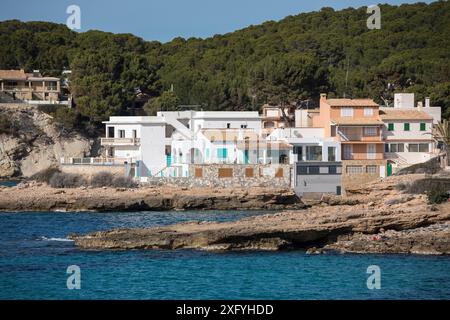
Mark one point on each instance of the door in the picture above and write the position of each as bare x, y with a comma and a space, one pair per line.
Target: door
389, 169
246, 156
371, 151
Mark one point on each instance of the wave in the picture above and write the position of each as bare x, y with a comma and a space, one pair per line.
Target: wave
55, 239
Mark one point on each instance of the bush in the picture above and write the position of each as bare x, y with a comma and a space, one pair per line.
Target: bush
437, 195
45, 175
423, 186
106, 179
430, 167
6, 125
67, 180
102, 179
124, 182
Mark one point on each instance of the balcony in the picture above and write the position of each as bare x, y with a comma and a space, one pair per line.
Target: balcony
359, 134
120, 141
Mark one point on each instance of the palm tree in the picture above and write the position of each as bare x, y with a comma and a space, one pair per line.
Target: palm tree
441, 133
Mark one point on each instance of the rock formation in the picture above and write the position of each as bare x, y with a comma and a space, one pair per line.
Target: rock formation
377, 210
36, 143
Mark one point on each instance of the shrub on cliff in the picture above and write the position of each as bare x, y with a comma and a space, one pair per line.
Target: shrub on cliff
124, 182
437, 195
67, 180
7, 125
106, 179
102, 179
45, 175
422, 186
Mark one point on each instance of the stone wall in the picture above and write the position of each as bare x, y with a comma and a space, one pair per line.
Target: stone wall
352, 181
88, 171
230, 175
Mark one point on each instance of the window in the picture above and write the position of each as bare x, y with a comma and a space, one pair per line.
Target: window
207, 153
225, 172
243, 126
121, 133
249, 172
110, 132
222, 153
390, 127
406, 126
347, 112
372, 169
134, 133
370, 131
401, 147
279, 173
368, 112
331, 153
354, 170
302, 170
332, 169
413, 147
424, 147
348, 150
313, 169
198, 173
423, 126
228, 125
395, 147
314, 153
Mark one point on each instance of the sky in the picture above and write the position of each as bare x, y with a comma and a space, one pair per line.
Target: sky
164, 20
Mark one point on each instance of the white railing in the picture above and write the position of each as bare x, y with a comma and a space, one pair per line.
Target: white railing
95, 161
120, 141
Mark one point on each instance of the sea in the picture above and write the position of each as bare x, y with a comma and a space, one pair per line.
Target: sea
38, 261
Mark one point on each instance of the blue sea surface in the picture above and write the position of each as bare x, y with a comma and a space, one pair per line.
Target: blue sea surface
35, 254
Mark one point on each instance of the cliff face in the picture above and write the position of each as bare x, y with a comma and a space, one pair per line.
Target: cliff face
35, 143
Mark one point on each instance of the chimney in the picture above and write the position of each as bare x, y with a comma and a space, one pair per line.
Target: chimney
323, 96
427, 102
419, 105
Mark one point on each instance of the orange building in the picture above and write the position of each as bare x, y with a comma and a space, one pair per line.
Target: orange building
357, 125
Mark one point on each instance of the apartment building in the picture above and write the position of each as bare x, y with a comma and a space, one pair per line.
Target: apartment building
357, 126
17, 85
407, 131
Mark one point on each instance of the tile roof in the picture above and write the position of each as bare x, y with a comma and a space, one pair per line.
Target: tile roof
13, 75
351, 103
405, 114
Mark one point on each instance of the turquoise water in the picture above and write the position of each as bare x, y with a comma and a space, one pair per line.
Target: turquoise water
34, 256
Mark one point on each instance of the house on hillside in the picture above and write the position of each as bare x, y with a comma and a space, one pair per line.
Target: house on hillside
17, 86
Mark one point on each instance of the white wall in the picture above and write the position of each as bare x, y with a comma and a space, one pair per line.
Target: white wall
153, 145
413, 133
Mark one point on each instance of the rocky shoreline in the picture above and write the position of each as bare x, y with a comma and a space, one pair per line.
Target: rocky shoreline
375, 219
31, 196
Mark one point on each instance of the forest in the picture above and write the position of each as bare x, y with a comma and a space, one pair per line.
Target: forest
288, 61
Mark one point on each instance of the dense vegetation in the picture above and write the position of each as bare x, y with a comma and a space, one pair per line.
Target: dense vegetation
277, 62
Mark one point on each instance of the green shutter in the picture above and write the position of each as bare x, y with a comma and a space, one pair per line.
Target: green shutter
390, 126
423, 127
406, 126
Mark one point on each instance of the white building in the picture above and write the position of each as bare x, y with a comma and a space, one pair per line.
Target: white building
407, 131
166, 143
316, 159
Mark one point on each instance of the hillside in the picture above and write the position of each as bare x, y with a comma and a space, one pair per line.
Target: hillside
30, 141
289, 60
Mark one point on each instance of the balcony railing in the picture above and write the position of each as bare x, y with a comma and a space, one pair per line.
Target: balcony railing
95, 161
120, 141
358, 137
